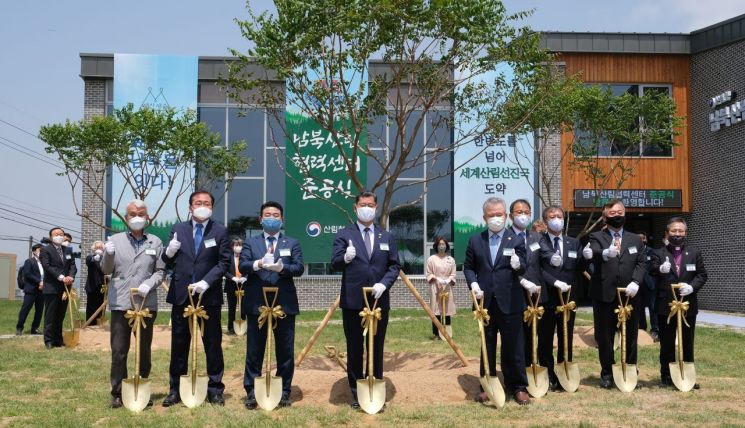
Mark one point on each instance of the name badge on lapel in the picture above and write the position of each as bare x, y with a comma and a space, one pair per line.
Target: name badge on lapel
384, 246
150, 251
285, 252
210, 243
68, 257
572, 254
508, 252
534, 246
691, 267
632, 250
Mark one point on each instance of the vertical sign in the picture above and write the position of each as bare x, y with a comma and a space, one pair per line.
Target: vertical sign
157, 82
319, 190
499, 166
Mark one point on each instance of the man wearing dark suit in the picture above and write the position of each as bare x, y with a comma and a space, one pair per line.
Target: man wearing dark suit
59, 272
368, 257
677, 263
494, 263
33, 274
199, 254
94, 281
233, 277
270, 260
619, 262
561, 265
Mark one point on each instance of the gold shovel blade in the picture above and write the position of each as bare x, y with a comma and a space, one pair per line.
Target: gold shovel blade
493, 390
71, 338
537, 380
136, 393
193, 390
371, 395
568, 375
625, 380
268, 395
240, 327
683, 378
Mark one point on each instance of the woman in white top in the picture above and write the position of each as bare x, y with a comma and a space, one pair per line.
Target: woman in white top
440, 272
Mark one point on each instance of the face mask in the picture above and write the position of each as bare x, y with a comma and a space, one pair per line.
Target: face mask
58, 239
521, 221
136, 223
676, 240
271, 224
495, 224
98, 252
365, 214
556, 225
202, 213
65, 243
237, 249
615, 222
441, 248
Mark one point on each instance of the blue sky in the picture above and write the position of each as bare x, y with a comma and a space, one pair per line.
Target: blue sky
40, 83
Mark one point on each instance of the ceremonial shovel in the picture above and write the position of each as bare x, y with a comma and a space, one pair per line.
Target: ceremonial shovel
568, 373
72, 337
136, 390
624, 375
370, 391
268, 388
193, 387
239, 324
537, 375
105, 291
682, 373
444, 296
489, 384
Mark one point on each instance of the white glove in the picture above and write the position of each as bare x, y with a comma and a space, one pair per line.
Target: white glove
515, 262
275, 267
685, 289
238, 279
632, 289
665, 267
378, 290
109, 246
561, 285
529, 286
556, 260
442, 281
267, 260
610, 252
143, 289
173, 246
243, 279
587, 252
200, 287
97, 257
477, 290
350, 254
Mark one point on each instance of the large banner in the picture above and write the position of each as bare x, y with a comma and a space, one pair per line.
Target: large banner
489, 165
319, 191
155, 81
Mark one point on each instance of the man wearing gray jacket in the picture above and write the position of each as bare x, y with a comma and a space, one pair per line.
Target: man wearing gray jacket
132, 258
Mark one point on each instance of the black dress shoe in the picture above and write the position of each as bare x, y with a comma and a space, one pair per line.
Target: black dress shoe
355, 405
251, 403
216, 399
19, 331
149, 403
48, 345
37, 332
696, 386
116, 402
606, 382
554, 386
172, 399
231, 333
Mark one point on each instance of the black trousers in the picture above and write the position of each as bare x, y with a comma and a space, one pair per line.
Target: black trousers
605, 321
121, 334
512, 351
95, 300
35, 300
356, 343
654, 325
668, 349
551, 323
54, 315
435, 331
284, 351
212, 341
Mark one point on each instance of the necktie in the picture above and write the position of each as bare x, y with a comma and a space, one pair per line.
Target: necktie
521, 235
368, 242
494, 247
557, 247
198, 237
59, 251
270, 248
237, 272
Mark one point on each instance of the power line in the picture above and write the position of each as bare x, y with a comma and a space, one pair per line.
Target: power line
64, 219
36, 206
23, 223
34, 152
20, 129
26, 153
37, 220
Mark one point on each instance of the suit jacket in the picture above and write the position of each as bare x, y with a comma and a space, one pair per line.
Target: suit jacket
286, 248
629, 265
95, 276
31, 276
54, 266
692, 272
533, 262
497, 279
129, 269
382, 266
572, 265
209, 264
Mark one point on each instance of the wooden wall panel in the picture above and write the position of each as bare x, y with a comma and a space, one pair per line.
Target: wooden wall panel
651, 173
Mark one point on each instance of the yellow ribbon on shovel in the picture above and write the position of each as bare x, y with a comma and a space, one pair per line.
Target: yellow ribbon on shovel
239, 293
532, 313
624, 312
370, 318
571, 306
678, 306
134, 316
276, 312
70, 293
482, 315
201, 315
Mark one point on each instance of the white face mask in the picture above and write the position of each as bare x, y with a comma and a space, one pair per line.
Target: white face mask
366, 214
137, 223
237, 249
65, 243
202, 213
495, 224
58, 239
556, 225
442, 248
521, 221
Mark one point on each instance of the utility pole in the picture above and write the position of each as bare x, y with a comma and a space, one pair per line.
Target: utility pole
30, 244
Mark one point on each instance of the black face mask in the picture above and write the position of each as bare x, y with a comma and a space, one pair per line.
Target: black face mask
615, 222
676, 240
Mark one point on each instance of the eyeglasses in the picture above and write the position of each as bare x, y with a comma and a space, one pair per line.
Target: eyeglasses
370, 205
202, 204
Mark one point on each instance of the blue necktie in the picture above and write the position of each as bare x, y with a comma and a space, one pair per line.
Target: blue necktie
198, 237
494, 247
521, 235
557, 248
270, 249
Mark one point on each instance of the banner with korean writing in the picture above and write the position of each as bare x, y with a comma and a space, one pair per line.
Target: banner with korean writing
155, 81
487, 165
320, 192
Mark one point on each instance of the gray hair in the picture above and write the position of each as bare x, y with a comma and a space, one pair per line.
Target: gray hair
138, 203
93, 246
494, 201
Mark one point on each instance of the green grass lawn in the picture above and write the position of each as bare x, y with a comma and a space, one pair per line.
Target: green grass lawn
64, 387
